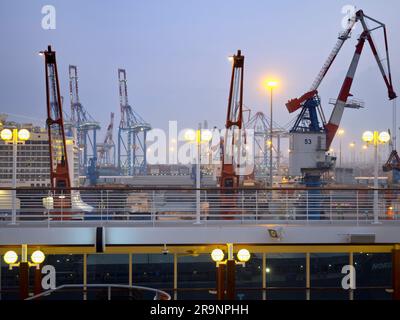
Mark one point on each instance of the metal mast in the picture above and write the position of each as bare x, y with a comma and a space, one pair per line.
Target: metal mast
132, 133
59, 172
260, 123
233, 125
85, 125
106, 151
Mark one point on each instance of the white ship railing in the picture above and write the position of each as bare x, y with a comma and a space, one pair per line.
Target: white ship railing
162, 206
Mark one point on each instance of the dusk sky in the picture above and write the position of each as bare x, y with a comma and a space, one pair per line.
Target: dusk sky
175, 53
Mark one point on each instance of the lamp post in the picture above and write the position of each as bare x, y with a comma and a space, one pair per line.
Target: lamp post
364, 154
271, 84
375, 138
13, 137
198, 137
352, 146
227, 267
37, 258
340, 133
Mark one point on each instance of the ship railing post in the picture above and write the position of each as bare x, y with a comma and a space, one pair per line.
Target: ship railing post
153, 206
62, 204
357, 206
101, 205
256, 197
286, 204
307, 205
107, 205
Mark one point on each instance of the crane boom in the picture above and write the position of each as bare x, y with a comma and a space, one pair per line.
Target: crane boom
337, 113
109, 135
343, 36
233, 125
59, 173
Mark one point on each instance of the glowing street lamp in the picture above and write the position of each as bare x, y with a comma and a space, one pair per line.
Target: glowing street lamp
6, 134
24, 135
37, 258
217, 255
14, 136
270, 85
198, 137
11, 258
352, 146
368, 136
243, 255
340, 134
375, 138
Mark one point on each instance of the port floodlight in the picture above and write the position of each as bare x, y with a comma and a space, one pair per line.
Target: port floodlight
384, 137
37, 257
368, 136
243, 255
6, 134
217, 255
341, 132
271, 84
24, 134
10, 257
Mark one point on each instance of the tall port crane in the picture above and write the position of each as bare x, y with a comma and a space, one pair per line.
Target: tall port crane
106, 151
311, 135
132, 133
83, 122
59, 170
234, 123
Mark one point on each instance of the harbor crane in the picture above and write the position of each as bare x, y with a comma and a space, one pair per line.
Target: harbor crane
60, 179
311, 135
234, 124
83, 122
106, 150
232, 146
132, 132
59, 169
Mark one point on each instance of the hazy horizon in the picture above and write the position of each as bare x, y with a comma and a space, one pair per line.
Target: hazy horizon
175, 53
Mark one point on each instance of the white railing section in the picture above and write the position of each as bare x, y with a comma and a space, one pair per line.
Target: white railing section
161, 206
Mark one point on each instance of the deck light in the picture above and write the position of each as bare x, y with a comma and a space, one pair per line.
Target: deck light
384, 137
368, 136
37, 257
217, 255
23, 134
10, 257
6, 134
243, 255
